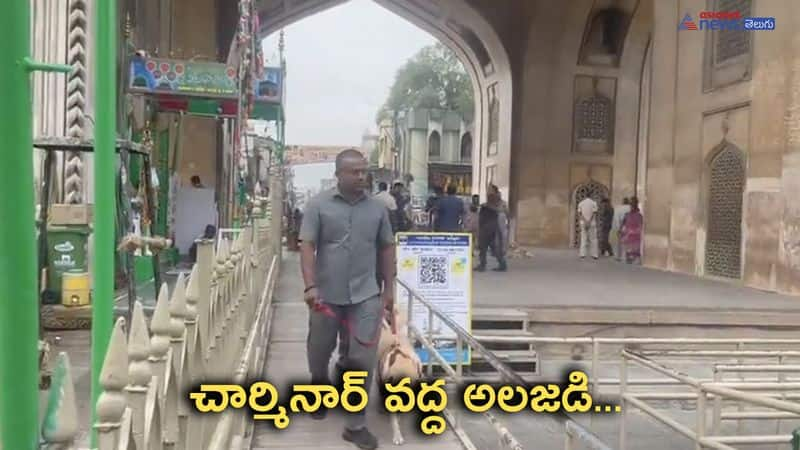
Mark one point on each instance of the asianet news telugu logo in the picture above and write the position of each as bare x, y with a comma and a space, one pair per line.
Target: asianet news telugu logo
725, 20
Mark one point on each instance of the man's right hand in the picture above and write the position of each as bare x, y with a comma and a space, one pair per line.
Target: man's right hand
311, 297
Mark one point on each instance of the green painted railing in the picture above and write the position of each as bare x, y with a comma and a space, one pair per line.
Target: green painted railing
19, 333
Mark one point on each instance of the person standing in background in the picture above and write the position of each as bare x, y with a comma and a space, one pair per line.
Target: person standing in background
471, 219
606, 221
587, 217
449, 212
487, 233
619, 216
387, 199
503, 224
632, 227
430, 206
403, 216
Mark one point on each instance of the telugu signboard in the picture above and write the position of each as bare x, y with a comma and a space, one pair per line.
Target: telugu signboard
438, 266
176, 77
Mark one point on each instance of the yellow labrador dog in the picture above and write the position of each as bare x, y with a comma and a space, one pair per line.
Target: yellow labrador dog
397, 360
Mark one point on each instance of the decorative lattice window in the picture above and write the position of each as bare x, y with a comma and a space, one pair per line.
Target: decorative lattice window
724, 235
593, 114
732, 43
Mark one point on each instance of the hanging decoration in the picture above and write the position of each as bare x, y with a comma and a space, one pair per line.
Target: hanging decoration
250, 64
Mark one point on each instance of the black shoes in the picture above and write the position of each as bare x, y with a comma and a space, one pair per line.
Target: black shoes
362, 438
320, 413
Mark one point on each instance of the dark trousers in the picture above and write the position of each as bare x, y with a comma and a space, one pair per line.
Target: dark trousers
605, 245
357, 352
484, 243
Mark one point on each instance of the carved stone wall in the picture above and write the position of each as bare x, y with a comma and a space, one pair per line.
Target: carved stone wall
727, 53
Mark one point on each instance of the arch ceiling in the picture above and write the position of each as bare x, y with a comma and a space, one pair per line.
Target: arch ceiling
457, 25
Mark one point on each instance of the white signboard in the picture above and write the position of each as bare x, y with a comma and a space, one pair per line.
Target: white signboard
437, 266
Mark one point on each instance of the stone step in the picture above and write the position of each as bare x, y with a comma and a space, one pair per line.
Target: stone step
498, 318
503, 346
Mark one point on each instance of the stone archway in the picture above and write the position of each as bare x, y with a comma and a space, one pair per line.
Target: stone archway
463, 28
726, 179
434, 146
592, 189
466, 147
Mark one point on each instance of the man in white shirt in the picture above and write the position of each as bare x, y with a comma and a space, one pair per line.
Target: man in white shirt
587, 216
388, 200
384, 196
616, 228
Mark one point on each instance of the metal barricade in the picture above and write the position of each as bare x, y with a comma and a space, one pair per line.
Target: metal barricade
573, 431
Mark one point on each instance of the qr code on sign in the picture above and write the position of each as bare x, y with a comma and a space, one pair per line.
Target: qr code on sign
433, 271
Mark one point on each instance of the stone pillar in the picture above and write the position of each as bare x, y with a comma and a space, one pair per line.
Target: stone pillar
662, 126
788, 273
770, 94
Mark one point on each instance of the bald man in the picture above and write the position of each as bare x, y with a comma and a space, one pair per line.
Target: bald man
347, 242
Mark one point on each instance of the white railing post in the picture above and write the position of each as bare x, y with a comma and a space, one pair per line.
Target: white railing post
623, 387
112, 403
217, 310
568, 441
201, 299
139, 373
430, 339
161, 363
716, 419
193, 361
595, 376
701, 418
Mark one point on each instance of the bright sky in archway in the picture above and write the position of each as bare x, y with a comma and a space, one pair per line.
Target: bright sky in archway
341, 63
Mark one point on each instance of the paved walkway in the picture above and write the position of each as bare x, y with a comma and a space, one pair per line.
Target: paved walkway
558, 279
286, 364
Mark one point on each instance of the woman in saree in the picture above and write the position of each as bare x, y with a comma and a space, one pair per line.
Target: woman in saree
632, 226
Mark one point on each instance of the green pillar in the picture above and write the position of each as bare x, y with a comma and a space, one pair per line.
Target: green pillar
19, 332
105, 133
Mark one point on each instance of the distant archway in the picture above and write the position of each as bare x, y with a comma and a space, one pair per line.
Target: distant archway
466, 147
597, 191
434, 146
464, 30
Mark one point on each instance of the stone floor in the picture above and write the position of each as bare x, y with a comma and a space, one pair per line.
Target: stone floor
558, 278
286, 364
556, 286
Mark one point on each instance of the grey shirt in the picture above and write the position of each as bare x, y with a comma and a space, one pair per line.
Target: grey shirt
347, 237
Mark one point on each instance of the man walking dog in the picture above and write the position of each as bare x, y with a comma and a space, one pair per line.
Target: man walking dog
346, 239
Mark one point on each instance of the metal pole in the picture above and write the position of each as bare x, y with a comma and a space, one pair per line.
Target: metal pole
701, 418
104, 191
19, 335
18, 299
623, 387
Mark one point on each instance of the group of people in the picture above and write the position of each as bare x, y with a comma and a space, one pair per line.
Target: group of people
397, 202
598, 223
488, 222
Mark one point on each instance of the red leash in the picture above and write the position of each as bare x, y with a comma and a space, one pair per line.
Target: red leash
326, 310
